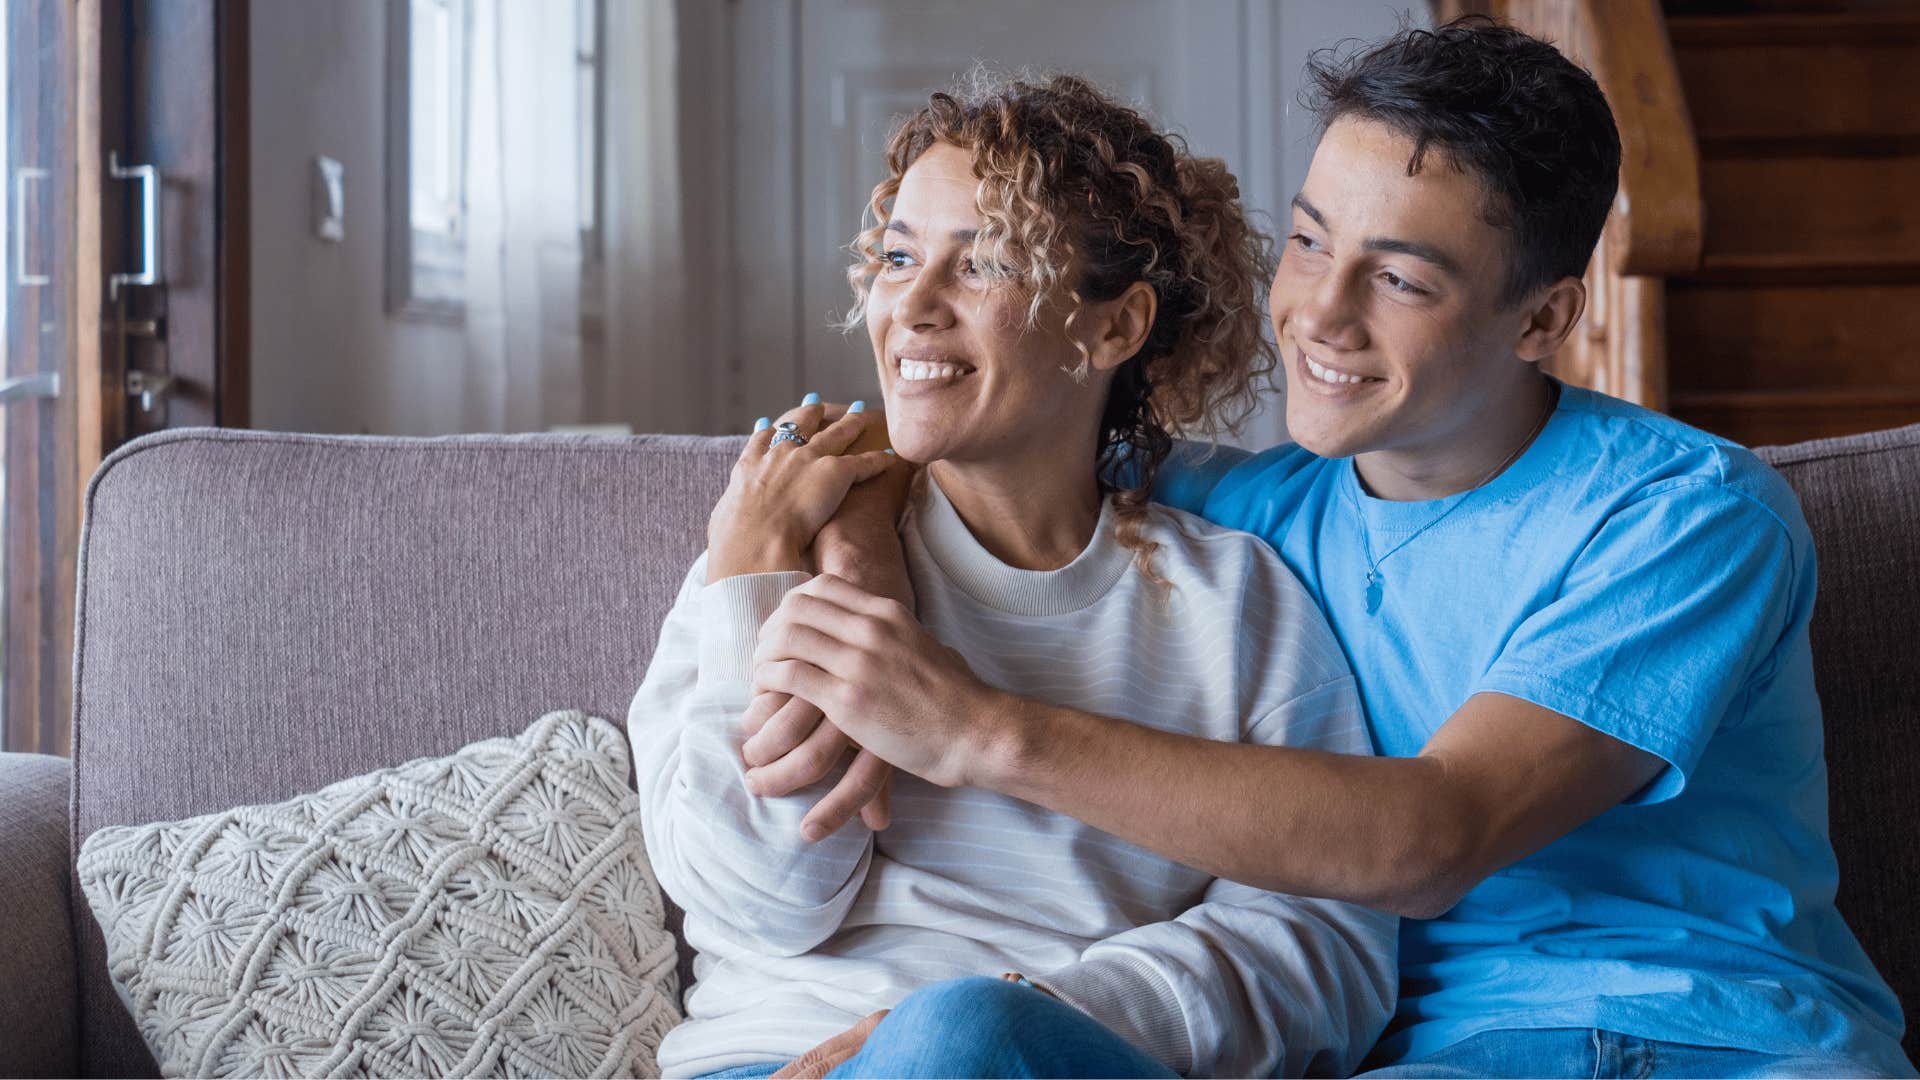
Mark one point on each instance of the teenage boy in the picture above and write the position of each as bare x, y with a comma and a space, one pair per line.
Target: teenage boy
1579, 629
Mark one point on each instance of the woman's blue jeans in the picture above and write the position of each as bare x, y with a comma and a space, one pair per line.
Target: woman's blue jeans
985, 1027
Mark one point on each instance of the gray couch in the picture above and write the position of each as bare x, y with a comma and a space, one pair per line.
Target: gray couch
261, 614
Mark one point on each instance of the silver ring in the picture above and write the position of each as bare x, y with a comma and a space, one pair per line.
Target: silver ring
787, 431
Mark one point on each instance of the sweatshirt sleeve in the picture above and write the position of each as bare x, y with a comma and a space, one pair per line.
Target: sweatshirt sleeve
1249, 982
734, 862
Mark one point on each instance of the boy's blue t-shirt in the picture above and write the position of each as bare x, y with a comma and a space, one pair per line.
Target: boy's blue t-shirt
1654, 583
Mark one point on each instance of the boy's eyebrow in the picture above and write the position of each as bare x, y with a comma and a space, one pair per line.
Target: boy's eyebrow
1425, 252
960, 236
1300, 203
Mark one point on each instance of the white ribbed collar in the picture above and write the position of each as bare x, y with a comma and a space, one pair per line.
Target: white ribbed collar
982, 576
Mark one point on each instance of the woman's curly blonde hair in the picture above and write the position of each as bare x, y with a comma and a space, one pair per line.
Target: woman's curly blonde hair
1071, 179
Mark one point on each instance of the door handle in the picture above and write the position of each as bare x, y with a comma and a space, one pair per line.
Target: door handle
44, 385
149, 177
149, 387
20, 178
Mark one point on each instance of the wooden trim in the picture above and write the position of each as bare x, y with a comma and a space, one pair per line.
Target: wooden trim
1838, 398
87, 433
1771, 268
233, 152
1657, 225
1863, 145
1878, 28
89, 247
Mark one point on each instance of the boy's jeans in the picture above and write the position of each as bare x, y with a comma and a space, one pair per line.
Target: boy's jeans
1590, 1052
990, 1027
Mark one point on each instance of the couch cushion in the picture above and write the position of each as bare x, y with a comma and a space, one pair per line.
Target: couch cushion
489, 913
248, 599
1861, 495
38, 1028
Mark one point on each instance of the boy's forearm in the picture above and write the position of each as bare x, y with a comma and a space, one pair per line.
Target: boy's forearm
1286, 819
862, 541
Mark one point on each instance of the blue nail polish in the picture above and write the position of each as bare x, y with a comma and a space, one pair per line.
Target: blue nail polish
858, 406
810, 399
889, 450
762, 424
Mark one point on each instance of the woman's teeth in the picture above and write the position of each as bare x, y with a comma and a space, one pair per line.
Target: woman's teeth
927, 371
1325, 374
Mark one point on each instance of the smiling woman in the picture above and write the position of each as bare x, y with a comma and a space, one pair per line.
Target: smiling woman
991, 266
1052, 288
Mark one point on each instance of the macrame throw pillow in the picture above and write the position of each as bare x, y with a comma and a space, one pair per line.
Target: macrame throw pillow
490, 913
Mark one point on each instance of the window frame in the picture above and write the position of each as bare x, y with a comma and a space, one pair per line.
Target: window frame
426, 276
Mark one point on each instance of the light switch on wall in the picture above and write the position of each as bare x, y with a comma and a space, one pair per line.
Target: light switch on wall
329, 199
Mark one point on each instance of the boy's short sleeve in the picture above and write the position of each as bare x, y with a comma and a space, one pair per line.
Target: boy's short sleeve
1672, 608
1191, 472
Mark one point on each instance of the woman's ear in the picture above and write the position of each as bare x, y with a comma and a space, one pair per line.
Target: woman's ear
1120, 326
1551, 318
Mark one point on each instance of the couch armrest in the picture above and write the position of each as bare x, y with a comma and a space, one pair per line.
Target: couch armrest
39, 1021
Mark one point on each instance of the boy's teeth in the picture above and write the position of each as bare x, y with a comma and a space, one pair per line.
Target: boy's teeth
1329, 375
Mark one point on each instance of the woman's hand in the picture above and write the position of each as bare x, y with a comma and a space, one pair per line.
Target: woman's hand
790, 744
782, 492
833, 1053
879, 676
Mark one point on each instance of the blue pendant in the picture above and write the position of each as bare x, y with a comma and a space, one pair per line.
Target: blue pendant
1373, 595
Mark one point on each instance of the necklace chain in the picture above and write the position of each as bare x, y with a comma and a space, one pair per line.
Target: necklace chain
1374, 591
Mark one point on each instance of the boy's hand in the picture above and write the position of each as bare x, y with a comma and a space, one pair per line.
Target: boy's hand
789, 743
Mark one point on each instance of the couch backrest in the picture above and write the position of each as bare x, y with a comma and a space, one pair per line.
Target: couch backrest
1861, 496
261, 614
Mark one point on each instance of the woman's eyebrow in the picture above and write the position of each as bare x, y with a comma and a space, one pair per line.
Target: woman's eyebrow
959, 236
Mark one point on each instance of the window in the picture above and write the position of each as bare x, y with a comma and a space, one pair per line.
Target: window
427, 95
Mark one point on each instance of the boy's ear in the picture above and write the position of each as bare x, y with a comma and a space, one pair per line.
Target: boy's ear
1120, 326
1550, 318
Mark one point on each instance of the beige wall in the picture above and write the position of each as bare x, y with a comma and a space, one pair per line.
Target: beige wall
326, 356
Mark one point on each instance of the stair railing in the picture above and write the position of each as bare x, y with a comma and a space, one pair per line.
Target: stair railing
1654, 230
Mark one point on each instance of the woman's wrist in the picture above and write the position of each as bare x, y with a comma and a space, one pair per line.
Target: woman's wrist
765, 555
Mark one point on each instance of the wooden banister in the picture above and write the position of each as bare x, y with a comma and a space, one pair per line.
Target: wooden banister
1655, 228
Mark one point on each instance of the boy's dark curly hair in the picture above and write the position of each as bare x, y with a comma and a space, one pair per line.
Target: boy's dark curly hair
1531, 124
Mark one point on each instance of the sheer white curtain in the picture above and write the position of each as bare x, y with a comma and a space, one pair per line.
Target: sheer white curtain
652, 377
523, 240
529, 275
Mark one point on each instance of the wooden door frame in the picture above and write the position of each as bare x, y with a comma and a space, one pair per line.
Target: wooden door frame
40, 513
234, 214
91, 416
89, 248
175, 80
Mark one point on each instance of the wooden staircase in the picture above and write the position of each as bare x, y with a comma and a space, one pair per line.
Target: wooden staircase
1803, 318
1793, 126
